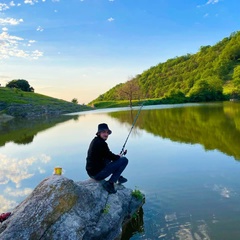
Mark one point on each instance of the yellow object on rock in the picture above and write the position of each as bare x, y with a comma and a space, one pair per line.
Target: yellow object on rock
58, 171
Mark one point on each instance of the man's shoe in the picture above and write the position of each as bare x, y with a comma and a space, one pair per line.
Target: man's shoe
109, 187
122, 180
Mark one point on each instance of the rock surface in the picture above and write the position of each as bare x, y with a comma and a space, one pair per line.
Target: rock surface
32, 111
5, 118
59, 208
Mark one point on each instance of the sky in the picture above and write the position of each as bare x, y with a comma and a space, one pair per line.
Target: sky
81, 48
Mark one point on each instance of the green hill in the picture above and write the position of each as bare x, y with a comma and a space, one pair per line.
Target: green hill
213, 73
18, 103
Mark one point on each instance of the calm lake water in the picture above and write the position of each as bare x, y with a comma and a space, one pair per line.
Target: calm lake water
184, 158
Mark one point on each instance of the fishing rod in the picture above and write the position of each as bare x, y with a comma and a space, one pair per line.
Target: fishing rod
123, 152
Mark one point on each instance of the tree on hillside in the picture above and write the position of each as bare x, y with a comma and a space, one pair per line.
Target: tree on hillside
236, 82
175, 96
20, 84
74, 100
236, 75
206, 90
130, 90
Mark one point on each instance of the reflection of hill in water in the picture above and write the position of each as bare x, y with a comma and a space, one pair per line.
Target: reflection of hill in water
23, 131
215, 126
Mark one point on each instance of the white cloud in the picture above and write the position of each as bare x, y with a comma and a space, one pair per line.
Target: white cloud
208, 2
205, 15
39, 29
110, 19
212, 2
31, 2
10, 46
9, 38
6, 204
17, 192
12, 4
41, 170
10, 21
44, 158
31, 41
16, 170
3, 7
223, 191
36, 54
4, 29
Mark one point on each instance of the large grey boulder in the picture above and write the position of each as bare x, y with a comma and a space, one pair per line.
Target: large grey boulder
60, 208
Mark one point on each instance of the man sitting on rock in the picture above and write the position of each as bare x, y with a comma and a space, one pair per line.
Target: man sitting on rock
101, 162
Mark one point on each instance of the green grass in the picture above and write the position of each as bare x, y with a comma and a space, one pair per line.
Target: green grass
34, 103
10, 96
138, 194
124, 103
106, 209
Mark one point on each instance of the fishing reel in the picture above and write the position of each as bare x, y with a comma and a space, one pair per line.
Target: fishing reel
123, 152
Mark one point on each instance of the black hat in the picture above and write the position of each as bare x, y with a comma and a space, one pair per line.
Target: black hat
102, 127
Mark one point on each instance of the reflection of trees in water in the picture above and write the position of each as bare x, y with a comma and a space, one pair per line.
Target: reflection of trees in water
135, 131
24, 139
215, 126
23, 131
76, 118
133, 226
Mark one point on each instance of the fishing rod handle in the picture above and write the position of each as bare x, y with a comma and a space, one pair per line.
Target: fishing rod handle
123, 152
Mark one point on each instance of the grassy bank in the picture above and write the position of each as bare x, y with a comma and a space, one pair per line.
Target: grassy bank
172, 99
17, 103
10, 96
154, 101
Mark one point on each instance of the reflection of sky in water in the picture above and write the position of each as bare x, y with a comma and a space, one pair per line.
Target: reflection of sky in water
13, 172
189, 191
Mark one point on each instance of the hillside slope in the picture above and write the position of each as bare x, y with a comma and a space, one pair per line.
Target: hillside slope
211, 74
17, 103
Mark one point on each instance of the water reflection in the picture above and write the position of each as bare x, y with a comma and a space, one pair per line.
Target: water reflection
134, 226
13, 172
190, 193
215, 126
23, 131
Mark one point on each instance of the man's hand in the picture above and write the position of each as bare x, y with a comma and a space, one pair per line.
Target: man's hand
123, 153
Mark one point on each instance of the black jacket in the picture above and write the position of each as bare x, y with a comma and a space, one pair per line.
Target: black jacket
97, 156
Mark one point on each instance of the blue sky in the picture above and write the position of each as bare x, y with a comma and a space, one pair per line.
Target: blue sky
81, 48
